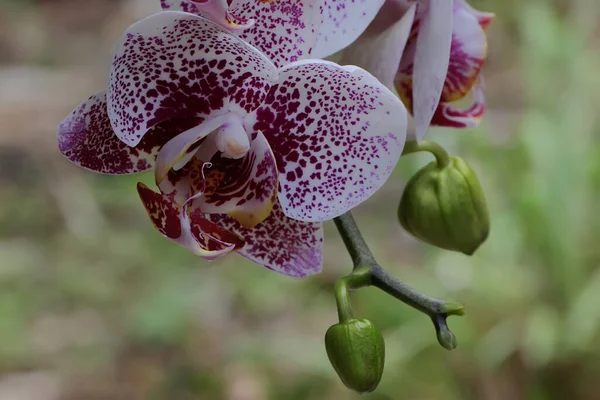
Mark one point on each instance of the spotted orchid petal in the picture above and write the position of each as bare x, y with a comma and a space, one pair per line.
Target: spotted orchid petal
284, 30
87, 139
183, 5
379, 51
336, 133
431, 59
343, 22
220, 13
290, 247
179, 65
189, 229
215, 10
248, 188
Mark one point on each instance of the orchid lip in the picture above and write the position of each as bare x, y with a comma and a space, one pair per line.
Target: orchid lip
247, 188
189, 229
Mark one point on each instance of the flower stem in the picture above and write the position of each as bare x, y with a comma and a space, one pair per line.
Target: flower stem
356, 280
441, 155
355, 243
367, 272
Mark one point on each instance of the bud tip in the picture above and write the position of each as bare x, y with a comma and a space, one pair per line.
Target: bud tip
453, 308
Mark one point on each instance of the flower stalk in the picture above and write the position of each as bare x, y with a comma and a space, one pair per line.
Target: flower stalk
440, 154
357, 279
367, 272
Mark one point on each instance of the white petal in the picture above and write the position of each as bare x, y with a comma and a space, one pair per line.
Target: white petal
336, 133
343, 22
380, 53
432, 56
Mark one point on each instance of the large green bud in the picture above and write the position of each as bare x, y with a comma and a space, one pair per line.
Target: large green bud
357, 352
444, 205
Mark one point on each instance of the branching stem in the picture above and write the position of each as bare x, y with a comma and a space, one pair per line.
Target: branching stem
366, 272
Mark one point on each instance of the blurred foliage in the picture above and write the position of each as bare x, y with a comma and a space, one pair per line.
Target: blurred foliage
97, 301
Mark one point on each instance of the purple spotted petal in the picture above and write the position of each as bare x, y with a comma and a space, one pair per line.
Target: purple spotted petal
431, 60
219, 12
180, 5
179, 65
216, 10
379, 51
282, 244
343, 21
284, 30
336, 133
248, 188
87, 139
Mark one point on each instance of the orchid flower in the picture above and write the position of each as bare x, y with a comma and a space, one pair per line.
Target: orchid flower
432, 53
288, 30
248, 157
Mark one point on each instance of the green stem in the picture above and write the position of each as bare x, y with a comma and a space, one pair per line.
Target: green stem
441, 155
356, 280
406, 294
342, 298
355, 243
367, 272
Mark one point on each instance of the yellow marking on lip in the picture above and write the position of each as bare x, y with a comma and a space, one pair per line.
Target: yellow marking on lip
249, 219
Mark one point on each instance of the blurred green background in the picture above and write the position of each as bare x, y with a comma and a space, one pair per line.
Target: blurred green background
95, 304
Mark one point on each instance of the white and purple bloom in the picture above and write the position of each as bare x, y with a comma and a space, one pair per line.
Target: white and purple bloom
432, 53
247, 156
288, 30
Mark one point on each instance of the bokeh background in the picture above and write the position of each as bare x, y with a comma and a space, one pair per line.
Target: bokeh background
95, 304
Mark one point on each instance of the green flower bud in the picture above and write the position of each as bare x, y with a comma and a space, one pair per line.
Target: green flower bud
445, 206
357, 352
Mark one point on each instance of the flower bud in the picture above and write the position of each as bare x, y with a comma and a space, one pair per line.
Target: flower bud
445, 206
357, 352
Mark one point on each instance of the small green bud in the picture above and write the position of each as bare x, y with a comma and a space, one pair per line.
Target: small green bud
445, 206
357, 352
446, 338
